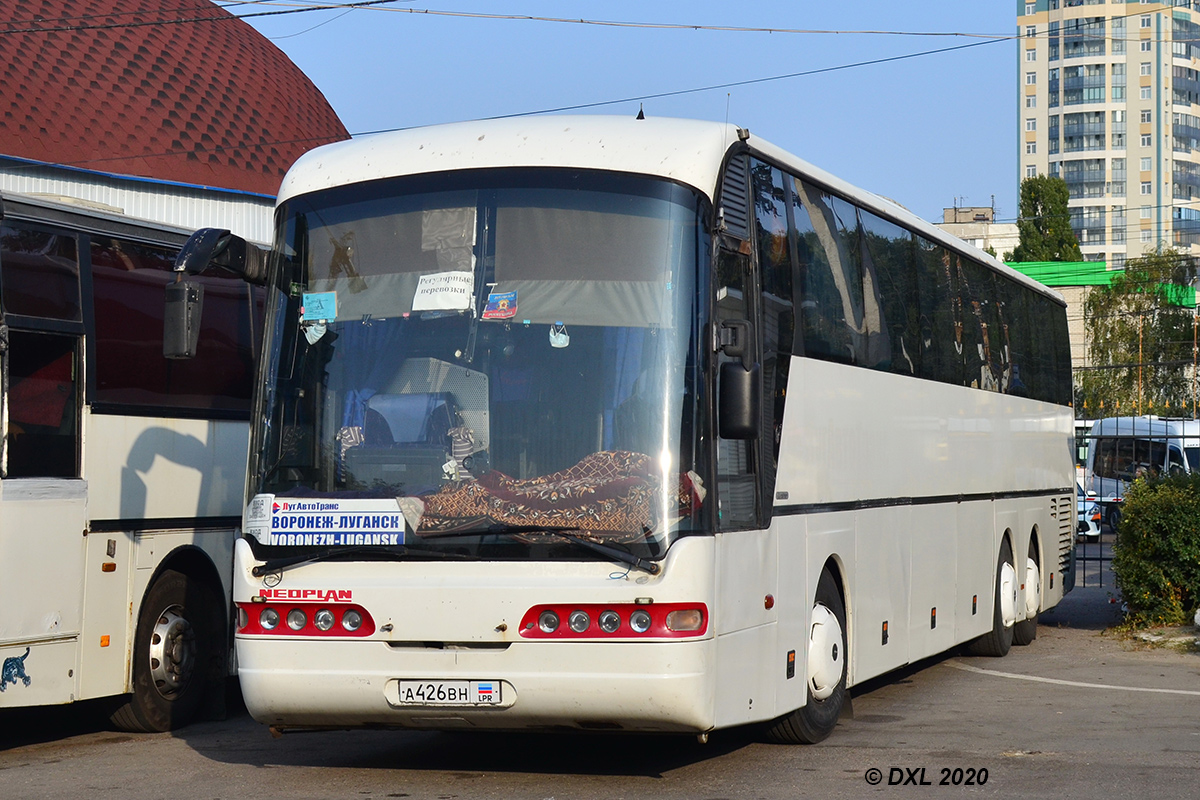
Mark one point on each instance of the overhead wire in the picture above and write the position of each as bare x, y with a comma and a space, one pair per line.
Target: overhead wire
573, 107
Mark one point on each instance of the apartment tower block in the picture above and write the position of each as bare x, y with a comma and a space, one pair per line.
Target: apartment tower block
1109, 101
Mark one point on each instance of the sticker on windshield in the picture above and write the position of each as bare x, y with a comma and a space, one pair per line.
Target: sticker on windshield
444, 291
318, 306
333, 523
501, 305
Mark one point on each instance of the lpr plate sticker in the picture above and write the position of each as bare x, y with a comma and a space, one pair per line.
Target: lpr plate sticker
334, 523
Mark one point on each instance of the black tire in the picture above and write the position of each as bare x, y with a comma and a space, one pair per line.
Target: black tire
816, 720
1114, 519
176, 654
997, 642
1025, 631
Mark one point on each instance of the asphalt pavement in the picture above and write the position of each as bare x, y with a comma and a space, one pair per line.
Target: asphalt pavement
1082, 711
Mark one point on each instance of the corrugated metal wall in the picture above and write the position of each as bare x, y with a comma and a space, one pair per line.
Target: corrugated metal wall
191, 207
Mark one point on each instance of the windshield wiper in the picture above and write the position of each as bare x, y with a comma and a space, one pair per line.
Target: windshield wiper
283, 563
607, 550
614, 553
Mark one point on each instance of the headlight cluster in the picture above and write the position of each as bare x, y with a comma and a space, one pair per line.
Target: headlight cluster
631, 620
305, 619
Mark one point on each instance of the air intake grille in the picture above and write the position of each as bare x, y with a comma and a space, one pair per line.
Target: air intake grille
735, 198
1063, 511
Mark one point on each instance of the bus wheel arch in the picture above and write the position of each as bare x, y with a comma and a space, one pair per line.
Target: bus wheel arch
179, 644
999, 639
1025, 631
826, 660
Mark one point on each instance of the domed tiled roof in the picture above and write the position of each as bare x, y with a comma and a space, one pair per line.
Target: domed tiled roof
175, 90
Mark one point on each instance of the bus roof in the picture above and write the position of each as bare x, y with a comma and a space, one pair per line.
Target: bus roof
687, 151
691, 152
1136, 426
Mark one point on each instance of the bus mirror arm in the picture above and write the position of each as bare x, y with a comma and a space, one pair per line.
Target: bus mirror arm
734, 340
216, 247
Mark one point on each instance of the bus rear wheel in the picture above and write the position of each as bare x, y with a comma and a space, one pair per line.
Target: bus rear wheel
1025, 631
999, 639
173, 649
826, 669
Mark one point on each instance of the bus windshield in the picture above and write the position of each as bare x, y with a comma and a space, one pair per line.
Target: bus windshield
505, 352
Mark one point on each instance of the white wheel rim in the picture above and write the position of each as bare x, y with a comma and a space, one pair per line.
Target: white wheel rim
1008, 594
824, 652
1033, 588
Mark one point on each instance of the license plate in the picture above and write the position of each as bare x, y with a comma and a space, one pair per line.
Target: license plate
449, 693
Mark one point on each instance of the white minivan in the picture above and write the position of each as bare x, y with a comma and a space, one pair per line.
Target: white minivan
1122, 449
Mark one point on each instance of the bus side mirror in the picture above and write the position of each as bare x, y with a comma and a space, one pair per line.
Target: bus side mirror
737, 415
181, 319
207, 247
739, 396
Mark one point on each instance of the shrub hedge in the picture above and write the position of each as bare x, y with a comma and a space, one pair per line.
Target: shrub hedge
1156, 557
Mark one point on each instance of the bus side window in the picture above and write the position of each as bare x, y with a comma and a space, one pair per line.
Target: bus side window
43, 407
776, 268
1175, 463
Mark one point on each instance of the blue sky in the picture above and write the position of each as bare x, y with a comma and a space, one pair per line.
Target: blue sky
926, 131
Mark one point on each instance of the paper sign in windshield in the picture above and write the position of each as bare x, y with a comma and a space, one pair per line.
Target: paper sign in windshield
317, 306
444, 291
501, 305
333, 523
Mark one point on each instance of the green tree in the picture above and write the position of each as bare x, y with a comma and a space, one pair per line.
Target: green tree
1045, 222
1139, 339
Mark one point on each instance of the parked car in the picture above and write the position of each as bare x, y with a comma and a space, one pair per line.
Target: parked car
1088, 510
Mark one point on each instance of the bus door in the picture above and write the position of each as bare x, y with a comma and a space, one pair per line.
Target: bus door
43, 500
738, 494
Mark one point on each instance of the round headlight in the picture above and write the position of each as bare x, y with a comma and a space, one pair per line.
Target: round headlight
548, 621
323, 619
351, 620
579, 621
640, 621
269, 619
609, 621
296, 619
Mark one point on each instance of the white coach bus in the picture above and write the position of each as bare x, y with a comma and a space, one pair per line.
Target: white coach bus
639, 425
1123, 449
121, 472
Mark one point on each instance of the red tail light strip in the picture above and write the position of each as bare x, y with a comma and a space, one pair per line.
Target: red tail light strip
686, 620
250, 620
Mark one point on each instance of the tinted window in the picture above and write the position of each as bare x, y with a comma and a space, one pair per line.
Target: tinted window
43, 406
40, 275
775, 270
872, 294
1127, 458
129, 281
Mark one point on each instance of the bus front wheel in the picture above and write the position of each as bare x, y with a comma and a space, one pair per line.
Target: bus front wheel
172, 652
999, 639
826, 671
